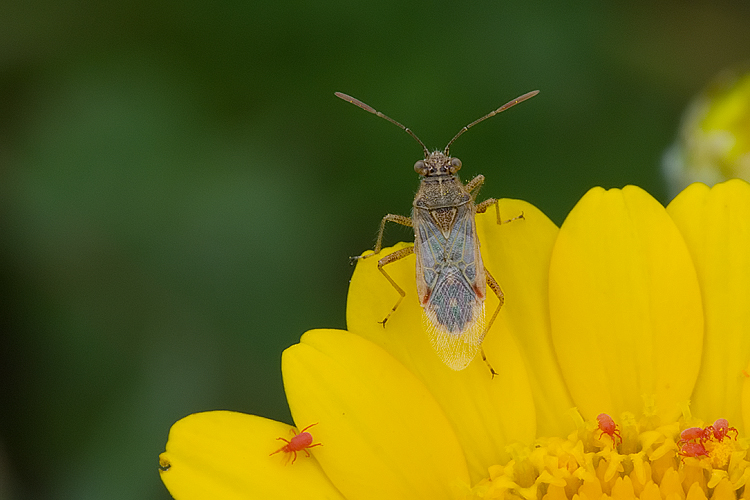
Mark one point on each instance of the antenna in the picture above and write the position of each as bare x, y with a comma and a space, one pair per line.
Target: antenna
502, 108
372, 110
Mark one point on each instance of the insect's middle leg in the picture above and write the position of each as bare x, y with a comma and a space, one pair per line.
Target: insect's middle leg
482, 208
393, 257
495, 287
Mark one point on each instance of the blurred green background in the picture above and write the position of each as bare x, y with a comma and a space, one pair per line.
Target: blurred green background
181, 191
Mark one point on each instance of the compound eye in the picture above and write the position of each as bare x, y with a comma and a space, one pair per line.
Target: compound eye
420, 168
455, 165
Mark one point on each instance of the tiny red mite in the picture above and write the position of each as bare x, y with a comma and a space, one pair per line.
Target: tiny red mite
300, 442
608, 427
695, 433
693, 450
721, 429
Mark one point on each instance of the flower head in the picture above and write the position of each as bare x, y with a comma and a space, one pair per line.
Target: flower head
634, 314
713, 143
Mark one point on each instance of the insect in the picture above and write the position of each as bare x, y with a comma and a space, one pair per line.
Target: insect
608, 427
300, 442
451, 277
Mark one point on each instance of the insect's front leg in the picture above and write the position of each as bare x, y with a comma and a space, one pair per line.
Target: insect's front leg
495, 287
393, 257
482, 208
398, 219
475, 183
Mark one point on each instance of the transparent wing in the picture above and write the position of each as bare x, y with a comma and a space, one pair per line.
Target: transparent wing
456, 348
451, 285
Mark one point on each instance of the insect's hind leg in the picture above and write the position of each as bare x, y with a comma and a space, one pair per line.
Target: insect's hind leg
484, 358
398, 219
393, 257
495, 287
482, 208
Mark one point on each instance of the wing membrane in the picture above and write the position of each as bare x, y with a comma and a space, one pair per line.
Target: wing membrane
451, 285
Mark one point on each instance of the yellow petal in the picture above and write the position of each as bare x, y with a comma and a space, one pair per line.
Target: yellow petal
745, 398
223, 454
696, 492
716, 226
518, 255
625, 305
670, 484
382, 433
623, 489
651, 492
724, 491
487, 413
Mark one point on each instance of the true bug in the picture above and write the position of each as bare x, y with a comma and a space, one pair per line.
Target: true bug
300, 442
451, 276
608, 426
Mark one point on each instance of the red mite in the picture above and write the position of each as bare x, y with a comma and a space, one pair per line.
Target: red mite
693, 450
721, 429
695, 433
300, 442
608, 427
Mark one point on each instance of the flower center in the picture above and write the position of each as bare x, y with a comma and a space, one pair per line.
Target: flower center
644, 459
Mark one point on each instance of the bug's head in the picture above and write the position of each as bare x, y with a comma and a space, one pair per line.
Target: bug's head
437, 163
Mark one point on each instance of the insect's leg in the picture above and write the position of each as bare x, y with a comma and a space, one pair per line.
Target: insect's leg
393, 257
495, 287
482, 208
398, 219
500, 295
484, 358
475, 183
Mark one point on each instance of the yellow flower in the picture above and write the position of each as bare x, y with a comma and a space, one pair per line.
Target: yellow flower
629, 311
713, 142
